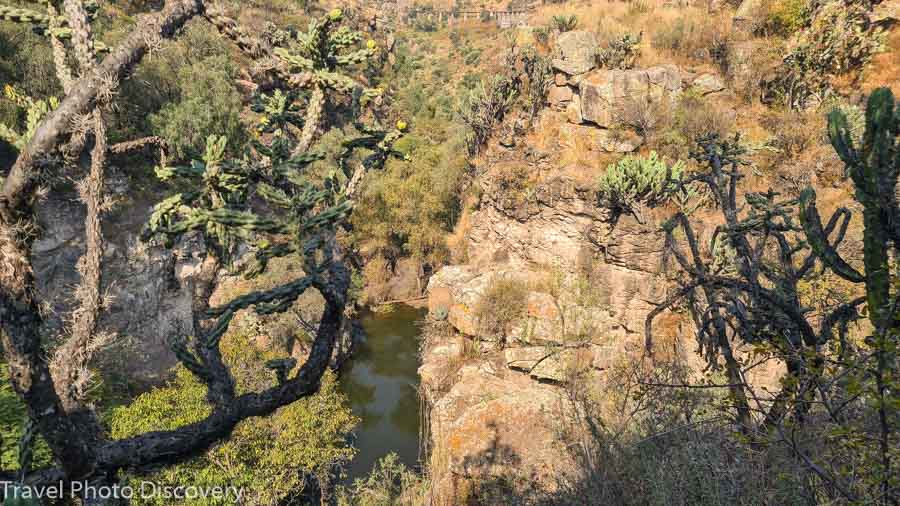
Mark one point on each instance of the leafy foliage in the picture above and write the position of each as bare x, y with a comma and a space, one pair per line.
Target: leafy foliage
270, 457
206, 103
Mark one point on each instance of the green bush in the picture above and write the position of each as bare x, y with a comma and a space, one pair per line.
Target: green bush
269, 457
158, 81
786, 17
389, 484
207, 104
501, 306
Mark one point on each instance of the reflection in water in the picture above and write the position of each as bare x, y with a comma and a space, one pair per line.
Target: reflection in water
381, 382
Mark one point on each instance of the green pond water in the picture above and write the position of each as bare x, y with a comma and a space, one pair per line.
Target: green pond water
381, 382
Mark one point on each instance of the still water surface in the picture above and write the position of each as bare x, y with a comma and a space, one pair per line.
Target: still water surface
381, 382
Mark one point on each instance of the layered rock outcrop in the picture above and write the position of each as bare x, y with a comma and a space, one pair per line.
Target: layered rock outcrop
587, 284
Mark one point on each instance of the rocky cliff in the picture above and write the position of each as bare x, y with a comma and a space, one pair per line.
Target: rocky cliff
587, 279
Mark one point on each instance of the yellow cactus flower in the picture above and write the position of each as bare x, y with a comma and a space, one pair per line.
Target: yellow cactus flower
371, 44
401, 125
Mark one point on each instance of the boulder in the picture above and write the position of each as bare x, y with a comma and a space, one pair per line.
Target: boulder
547, 363
605, 93
560, 79
618, 141
708, 83
576, 52
560, 96
573, 111
597, 139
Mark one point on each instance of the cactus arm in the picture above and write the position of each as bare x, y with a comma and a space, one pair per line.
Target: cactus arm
842, 141
22, 15
878, 144
818, 239
311, 123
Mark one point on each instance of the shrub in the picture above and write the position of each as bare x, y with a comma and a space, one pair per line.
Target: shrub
158, 81
502, 304
389, 483
271, 457
621, 53
636, 180
207, 104
693, 117
700, 38
786, 17
563, 23
840, 39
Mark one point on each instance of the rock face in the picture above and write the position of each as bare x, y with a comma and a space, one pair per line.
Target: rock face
509, 395
576, 52
708, 83
148, 287
490, 426
560, 96
606, 93
548, 226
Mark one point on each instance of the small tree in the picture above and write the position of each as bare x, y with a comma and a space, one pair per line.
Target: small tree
217, 203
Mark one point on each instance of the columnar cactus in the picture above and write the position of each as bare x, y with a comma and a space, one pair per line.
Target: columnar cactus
317, 59
874, 167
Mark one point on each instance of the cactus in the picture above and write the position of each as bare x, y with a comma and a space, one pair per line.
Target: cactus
316, 60
634, 180
840, 39
621, 53
873, 167
45, 24
218, 207
564, 23
35, 111
380, 145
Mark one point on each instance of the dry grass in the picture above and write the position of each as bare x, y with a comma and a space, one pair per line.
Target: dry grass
656, 21
884, 69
